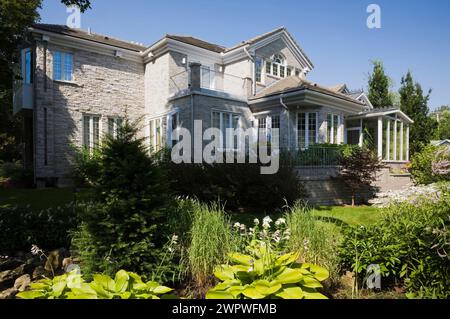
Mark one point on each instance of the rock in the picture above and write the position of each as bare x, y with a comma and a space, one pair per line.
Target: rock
22, 282
55, 260
38, 273
8, 277
8, 293
10, 263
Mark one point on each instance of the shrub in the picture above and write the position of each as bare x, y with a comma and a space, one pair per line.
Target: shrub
237, 186
126, 228
314, 241
264, 274
407, 244
431, 165
125, 285
49, 228
358, 167
15, 174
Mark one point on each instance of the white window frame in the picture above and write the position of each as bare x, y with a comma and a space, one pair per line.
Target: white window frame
115, 124
307, 128
278, 66
62, 66
333, 126
165, 137
222, 127
268, 127
91, 117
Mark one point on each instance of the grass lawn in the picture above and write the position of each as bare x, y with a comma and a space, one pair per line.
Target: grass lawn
39, 198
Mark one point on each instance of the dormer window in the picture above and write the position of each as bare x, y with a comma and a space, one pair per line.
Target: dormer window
276, 66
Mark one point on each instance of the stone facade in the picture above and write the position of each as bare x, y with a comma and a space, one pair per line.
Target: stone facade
102, 85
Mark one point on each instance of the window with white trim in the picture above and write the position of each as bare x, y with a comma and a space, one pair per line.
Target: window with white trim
161, 131
224, 121
307, 129
278, 67
62, 66
114, 123
28, 74
333, 123
266, 124
156, 140
258, 69
91, 131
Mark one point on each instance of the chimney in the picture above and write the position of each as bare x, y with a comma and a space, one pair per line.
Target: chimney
195, 75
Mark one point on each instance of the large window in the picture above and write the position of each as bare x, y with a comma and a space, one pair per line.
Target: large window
224, 121
91, 131
333, 123
114, 123
62, 66
277, 67
28, 67
267, 126
307, 129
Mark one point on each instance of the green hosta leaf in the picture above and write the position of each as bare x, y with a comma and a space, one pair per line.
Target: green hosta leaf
101, 292
266, 288
236, 291
105, 281
151, 285
291, 293
224, 273
227, 284
125, 295
287, 259
310, 282
241, 259
312, 294
121, 281
320, 273
58, 288
252, 293
289, 276
161, 290
39, 285
218, 295
32, 294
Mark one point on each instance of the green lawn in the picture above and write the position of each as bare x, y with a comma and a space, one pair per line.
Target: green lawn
39, 198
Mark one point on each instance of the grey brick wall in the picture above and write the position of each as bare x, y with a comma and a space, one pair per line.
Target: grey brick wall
103, 85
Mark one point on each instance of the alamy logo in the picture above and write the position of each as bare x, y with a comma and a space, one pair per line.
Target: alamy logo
74, 18
373, 280
231, 146
374, 19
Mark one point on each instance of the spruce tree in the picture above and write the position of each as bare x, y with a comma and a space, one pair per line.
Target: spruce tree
414, 103
379, 84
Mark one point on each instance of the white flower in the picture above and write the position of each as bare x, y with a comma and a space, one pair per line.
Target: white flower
174, 238
35, 250
251, 231
280, 221
237, 225
256, 221
267, 219
287, 232
242, 227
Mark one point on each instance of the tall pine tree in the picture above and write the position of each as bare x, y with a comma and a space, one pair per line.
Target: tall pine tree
379, 84
414, 103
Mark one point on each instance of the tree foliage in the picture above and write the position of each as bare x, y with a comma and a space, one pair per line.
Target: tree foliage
379, 84
443, 129
415, 104
358, 168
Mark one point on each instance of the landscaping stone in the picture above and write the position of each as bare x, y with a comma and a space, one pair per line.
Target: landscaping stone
22, 282
8, 293
410, 194
8, 277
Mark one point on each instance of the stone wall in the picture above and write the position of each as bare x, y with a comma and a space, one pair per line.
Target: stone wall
102, 85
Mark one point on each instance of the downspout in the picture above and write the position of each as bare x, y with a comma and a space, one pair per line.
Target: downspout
289, 121
253, 69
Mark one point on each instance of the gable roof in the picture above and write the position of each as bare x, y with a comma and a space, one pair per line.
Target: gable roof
81, 34
384, 111
197, 42
293, 83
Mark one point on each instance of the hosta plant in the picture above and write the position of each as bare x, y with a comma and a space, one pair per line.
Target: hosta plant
125, 285
263, 274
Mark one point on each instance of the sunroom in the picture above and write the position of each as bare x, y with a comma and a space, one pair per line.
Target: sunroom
386, 130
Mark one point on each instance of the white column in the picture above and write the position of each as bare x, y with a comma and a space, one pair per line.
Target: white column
306, 130
388, 142
407, 142
380, 137
395, 139
401, 141
361, 134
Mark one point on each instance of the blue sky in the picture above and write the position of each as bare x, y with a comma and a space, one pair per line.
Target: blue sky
415, 34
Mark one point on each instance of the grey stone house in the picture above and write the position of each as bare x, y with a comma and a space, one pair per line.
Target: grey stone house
76, 87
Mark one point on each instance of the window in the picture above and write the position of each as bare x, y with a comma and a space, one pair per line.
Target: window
206, 77
258, 69
28, 67
333, 123
262, 129
45, 137
307, 129
274, 124
174, 120
114, 123
277, 67
156, 139
161, 131
62, 66
224, 121
91, 131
